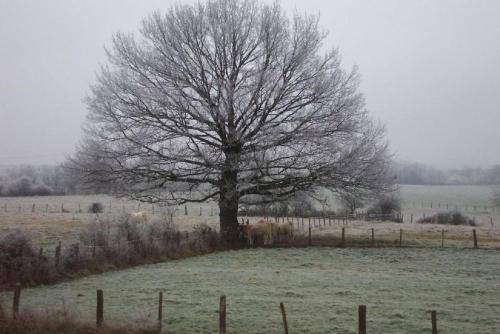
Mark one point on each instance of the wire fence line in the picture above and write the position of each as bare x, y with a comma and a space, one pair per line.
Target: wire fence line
161, 322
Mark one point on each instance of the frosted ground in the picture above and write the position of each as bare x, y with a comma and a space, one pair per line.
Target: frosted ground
320, 287
49, 224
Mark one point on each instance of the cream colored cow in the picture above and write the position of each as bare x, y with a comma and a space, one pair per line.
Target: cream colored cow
140, 217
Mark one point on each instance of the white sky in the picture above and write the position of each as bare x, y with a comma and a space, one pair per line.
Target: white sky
430, 70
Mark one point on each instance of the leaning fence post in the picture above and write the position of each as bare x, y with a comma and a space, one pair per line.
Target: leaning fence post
434, 322
222, 315
160, 309
362, 319
475, 237
283, 314
15, 304
100, 309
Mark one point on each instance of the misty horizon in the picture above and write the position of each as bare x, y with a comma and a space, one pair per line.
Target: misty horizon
428, 72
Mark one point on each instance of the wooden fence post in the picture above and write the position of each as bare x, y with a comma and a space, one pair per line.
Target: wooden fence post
400, 237
222, 315
160, 310
100, 309
310, 238
362, 319
343, 236
434, 322
475, 237
442, 238
58, 255
15, 304
283, 314
373, 236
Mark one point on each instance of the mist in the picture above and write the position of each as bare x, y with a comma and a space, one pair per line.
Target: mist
429, 72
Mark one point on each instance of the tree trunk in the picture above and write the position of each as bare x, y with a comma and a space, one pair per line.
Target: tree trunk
228, 200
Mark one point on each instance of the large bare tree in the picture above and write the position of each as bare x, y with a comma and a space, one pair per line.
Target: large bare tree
232, 99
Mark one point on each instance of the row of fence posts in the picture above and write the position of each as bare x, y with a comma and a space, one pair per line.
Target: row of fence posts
65, 210
57, 257
276, 218
362, 318
432, 206
343, 237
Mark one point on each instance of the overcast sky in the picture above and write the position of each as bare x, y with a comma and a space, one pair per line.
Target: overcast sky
430, 71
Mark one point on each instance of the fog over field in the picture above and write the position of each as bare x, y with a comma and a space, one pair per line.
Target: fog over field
429, 71
184, 166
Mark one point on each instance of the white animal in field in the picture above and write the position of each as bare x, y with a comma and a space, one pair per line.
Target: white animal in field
140, 217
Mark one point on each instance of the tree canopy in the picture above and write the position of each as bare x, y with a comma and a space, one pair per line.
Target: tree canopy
233, 101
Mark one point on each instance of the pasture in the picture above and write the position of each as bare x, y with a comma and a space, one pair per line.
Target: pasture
55, 218
320, 287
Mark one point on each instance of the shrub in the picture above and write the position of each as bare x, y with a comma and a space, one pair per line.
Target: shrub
448, 218
72, 257
96, 235
386, 207
96, 207
18, 261
205, 235
162, 229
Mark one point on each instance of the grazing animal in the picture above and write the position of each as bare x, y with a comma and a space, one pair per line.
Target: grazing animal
283, 232
140, 217
259, 233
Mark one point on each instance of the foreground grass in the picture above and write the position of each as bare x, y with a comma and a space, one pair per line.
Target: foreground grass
320, 287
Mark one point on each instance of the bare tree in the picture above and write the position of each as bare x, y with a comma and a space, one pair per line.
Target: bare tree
235, 102
351, 201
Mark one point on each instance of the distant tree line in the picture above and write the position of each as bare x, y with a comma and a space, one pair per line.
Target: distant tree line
420, 174
28, 180
46, 180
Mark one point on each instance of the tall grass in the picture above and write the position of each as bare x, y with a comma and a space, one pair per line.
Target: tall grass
103, 245
60, 324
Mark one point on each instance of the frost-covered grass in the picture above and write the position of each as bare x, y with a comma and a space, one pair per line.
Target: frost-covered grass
320, 287
48, 228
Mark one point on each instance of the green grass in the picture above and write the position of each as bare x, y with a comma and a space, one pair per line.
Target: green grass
320, 287
454, 196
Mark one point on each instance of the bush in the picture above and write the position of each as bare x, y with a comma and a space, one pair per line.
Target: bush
162, 229
18, 260
96, 207
205, 235
448, 218
72, 257
386, 207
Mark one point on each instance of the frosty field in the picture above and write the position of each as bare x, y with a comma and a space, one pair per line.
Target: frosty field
54, 218
320, 287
